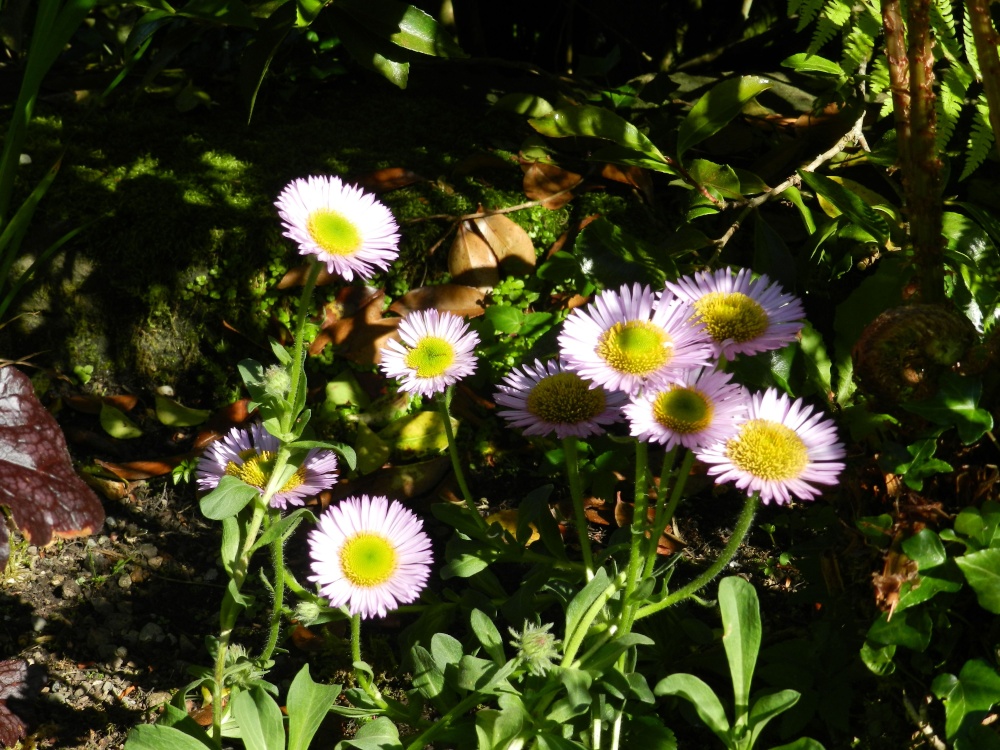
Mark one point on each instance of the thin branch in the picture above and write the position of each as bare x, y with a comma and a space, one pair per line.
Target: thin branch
854, 135
920, 719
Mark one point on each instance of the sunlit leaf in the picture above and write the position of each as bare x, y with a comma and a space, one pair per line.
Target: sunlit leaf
848, 203
471, 261
982, 571
521, 103
550, 183
465, 301
956, 403
44, 495
223, 12
716, 109
596, 122
806, 63
510, 244
117, 424
173, 414
418, 434
403, 25
977, 688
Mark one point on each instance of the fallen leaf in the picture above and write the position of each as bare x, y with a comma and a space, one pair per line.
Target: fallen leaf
117, 424
635, 177
471, 261
464, 301
418, 434
360, 337
510, 244
508, 520
480, 163
384, 180
13, 684
135, 471
173, 414
297, 277
543, 181
44, 495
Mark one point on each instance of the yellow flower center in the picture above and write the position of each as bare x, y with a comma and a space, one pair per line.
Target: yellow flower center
431, 357
683, 410
768, 450
368, 559
637, 347
731, 315
334, 232
565, 398
256, 470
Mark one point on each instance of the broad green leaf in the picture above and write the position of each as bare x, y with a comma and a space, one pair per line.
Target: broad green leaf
766, 708
741, 632
446, 650
521, 103
307, 705
487, 635
372, 451
418, 434
577, 683
878, 658
282, 528
157, 737
596, 122
428, 677
981, 525
117, 425
223, 12
917, 464
369, 49
701, 696
850, 204
925, 549
648, 731
818, 363
806, 63
173, 414
911, 628
378, 734
716, 108
957, 403
231, 540
228, 498
583, 601
802, 743
720, 179
628, 157
403, 25
977, 688
504, 318
982, 571
261, 726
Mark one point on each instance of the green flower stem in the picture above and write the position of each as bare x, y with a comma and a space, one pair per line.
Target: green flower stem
456, 463
298, 367
572, 457
356, 653
729, 551
226, 625
665, 513
640, 522
278, 559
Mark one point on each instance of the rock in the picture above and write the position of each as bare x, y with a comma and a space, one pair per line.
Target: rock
151, 632
70, 589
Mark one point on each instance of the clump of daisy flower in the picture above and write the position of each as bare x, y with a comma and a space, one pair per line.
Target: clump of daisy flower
370, 555
249, 455
784, 448
343, 226
537, 649
435, 351
699, 408
742, 315
544, 398
631, 338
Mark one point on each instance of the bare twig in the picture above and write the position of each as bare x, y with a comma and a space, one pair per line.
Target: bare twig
854, 135
920, 719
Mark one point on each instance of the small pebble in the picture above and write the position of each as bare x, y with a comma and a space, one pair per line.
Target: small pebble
125, 581
148, 550
151, 632
32, 550
38, 624
155, 562
70, 589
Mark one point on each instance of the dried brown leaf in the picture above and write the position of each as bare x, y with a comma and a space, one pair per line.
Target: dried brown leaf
635, 177
542, 181
361, 336
511, 245
297, 277
466, 301
385, 180
471, 261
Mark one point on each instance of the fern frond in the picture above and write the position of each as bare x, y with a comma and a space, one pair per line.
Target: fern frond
835, 15
970, 46
807, 10
980, 139
951, 99
859, 42
945, 34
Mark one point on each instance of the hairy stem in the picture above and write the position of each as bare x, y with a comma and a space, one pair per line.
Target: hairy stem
572, 457
987, 39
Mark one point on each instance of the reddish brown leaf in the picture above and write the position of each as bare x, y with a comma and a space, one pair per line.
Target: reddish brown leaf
466, 301
632, 176
509, 242
384, 180
361, 336
297, 277
471, 261
542, 181
134, 471
480, 163
45, 497
13, 684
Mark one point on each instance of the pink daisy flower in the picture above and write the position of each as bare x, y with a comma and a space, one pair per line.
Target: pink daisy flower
435, 351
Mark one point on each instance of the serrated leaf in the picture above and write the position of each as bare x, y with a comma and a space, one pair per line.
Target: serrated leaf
716, 109
44, 495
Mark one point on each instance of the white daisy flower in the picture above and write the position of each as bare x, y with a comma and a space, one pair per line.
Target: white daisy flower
343, 226
435, 351
783, 449
742, 315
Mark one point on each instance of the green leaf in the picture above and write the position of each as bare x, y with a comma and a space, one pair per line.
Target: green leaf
488, 635
229, 497
982, 571
701, 696
428, 677
918, 464
957, 403
378, 734
977, 688
577, 684
261, 726
720, 179
911, 628
766, 708
222, 12
446, 650
716, 108
596, 122
418, 434
583, 600
806, 63
307, 705
369, 49
282, 528
878, 659
231, 540
851, 205
530, 105
173, 414
402, 25
504, 318
802, 743
741, 632
117, 425
158, 737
